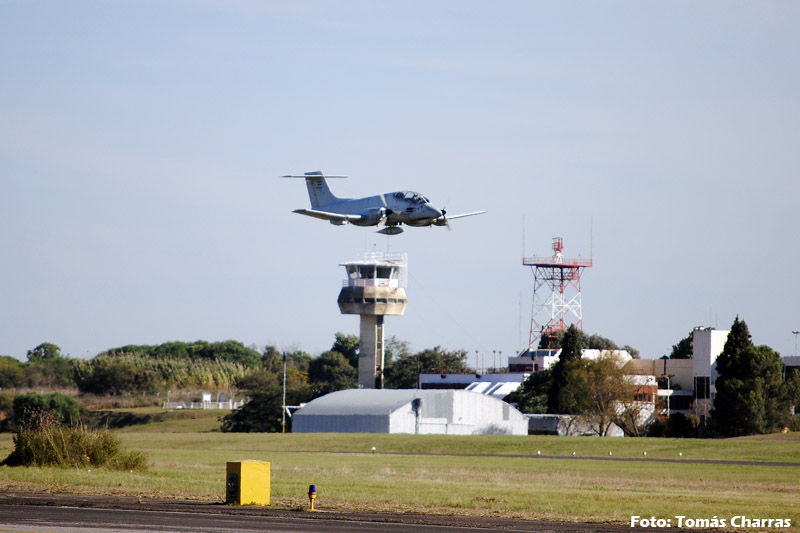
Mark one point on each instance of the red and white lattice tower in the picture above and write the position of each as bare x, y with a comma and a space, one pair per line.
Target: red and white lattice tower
556, 292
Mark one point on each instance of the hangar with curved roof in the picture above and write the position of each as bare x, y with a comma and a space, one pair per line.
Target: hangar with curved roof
444, 412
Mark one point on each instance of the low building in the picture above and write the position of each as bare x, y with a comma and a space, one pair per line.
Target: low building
675, 379
443, 412
496, 385
567, 426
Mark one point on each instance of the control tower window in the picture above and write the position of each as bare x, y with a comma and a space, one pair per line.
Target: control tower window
367, 272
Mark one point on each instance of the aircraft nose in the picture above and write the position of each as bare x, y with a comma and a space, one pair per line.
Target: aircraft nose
435, 213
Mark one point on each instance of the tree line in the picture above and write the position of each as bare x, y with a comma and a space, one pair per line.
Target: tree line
754, 394
228, 365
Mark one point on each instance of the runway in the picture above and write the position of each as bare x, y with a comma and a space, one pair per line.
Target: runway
66, 513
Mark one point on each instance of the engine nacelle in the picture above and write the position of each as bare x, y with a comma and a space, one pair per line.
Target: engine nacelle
371, 217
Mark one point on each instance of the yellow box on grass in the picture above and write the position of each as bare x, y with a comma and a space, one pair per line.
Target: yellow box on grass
247, 483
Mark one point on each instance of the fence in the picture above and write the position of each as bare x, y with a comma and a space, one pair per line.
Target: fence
204, 405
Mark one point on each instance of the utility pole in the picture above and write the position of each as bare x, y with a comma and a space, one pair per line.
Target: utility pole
283, 409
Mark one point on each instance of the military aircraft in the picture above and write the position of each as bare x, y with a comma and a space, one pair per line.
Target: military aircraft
390, 210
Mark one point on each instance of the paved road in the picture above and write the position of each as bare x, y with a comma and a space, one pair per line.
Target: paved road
63, 513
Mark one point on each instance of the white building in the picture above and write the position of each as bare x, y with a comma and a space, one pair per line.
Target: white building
444, 412
496, 385
543, 359
708, 344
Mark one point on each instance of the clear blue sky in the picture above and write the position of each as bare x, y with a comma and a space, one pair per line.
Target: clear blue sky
141, 144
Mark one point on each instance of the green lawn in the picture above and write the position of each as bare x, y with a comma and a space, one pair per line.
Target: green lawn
479, 475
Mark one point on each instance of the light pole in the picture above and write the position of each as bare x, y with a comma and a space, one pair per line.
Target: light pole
283, 410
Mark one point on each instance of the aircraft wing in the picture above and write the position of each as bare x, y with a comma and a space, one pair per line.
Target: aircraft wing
332, 217
451, 217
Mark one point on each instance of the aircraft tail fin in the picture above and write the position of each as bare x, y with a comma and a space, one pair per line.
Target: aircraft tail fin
318, 191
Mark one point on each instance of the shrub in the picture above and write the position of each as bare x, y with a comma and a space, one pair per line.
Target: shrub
43, 441
678, 425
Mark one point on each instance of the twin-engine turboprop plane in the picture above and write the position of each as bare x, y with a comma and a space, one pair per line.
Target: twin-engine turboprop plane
391, 209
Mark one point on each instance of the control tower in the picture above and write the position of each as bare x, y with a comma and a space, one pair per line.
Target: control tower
375, 287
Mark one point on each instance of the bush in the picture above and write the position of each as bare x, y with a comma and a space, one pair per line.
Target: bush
678, 425
43, 441
28, 407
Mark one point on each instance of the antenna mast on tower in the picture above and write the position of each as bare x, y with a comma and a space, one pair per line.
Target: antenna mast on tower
556, 292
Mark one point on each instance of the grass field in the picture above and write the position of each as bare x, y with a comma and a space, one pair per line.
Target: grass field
480, 475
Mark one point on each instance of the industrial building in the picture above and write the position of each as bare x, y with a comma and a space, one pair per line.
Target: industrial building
443, 412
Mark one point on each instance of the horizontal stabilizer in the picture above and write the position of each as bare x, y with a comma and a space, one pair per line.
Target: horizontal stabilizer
316, 174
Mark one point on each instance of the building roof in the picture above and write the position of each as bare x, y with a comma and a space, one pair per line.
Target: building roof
364, 401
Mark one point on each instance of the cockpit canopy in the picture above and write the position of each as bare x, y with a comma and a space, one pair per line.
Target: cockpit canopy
411, 196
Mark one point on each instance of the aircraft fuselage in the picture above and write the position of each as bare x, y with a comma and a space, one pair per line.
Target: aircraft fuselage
401, 207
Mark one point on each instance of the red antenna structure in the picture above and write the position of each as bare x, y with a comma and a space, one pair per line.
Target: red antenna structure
556, 292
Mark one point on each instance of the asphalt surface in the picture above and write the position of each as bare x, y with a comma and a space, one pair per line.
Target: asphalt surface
69, 513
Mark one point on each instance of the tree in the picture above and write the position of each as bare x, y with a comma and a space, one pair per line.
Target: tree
554, 341
792, 389
331, 372
404, 372
347, 345
262, 413
751, 396
677, 426
599, 392
684, 349
108, 376
12, 373
256, 380
571, 348
634, 353
394, 349
738, 340
531, 396
28, 407
44, 352
48, 368
271, 359
230, 351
